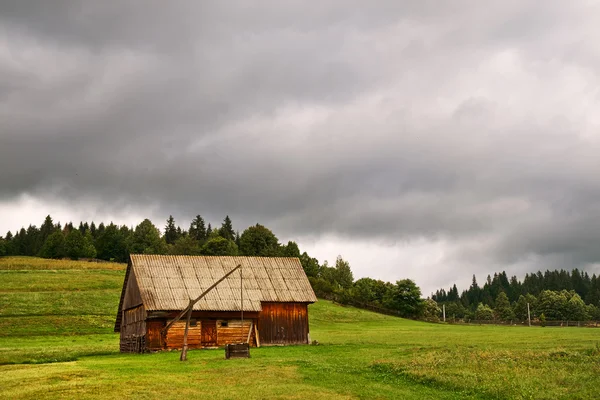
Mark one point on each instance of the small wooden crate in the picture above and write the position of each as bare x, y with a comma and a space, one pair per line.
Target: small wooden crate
241, 350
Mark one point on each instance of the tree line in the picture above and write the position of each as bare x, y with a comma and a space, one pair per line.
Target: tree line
557, 295
114, 243
553, 295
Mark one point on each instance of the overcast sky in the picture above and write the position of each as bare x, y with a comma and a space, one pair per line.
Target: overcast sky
418, 139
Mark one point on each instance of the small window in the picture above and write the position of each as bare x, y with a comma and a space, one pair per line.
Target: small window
224, 324
193, 322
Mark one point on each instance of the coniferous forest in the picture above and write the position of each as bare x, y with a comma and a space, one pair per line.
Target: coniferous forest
552, 295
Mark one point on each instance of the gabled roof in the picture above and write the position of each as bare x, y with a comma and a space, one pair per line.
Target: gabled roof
167, 283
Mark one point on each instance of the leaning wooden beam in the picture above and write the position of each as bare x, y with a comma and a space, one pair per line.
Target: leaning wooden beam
192, 303
249, 332
183, 356
256, 336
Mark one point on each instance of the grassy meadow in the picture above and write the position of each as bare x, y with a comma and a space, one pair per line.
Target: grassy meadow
56, 341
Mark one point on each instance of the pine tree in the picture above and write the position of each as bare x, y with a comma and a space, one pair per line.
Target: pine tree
226, 230
111, 244
46, 230
93, 230
170, 231
208, 231
9, 244
32, 243
101, 229
198, 229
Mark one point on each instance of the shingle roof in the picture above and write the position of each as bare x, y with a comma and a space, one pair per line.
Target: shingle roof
169, 282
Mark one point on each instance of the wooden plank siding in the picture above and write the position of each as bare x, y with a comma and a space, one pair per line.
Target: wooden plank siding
234, 332
174, 338
154, 340
133, 330
283, 323
132, 297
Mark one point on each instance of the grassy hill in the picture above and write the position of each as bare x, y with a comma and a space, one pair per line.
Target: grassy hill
56, 341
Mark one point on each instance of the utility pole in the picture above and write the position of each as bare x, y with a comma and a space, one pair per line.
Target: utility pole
444, 311
528, 315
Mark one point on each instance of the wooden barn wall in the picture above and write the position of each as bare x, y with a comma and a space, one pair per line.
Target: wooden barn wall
234, 332
174, 338
133, 330
132, 293
206, 333
283, 323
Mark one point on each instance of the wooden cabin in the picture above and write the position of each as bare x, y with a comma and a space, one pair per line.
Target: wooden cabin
275, 291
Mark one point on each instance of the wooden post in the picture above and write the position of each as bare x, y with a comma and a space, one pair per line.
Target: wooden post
182, 313
183, 356
188, 310
256, 335
528, 315
242, 296
249, 331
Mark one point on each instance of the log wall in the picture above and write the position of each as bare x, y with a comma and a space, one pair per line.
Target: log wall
283, 323
234, 332
174, 338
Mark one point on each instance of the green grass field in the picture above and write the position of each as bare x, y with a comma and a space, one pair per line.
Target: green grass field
56, 341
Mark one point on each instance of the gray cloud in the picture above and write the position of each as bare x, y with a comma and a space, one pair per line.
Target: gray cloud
472, 125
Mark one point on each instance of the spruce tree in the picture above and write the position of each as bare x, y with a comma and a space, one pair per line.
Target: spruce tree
100, 230
46, 229
170, 231
226, 230
198, 229
32, 243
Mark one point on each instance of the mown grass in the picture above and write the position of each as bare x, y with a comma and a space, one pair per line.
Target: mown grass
34, 263
59, 280
41, 297
51, 351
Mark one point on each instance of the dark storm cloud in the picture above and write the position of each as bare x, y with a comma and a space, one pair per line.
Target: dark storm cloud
455, 122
